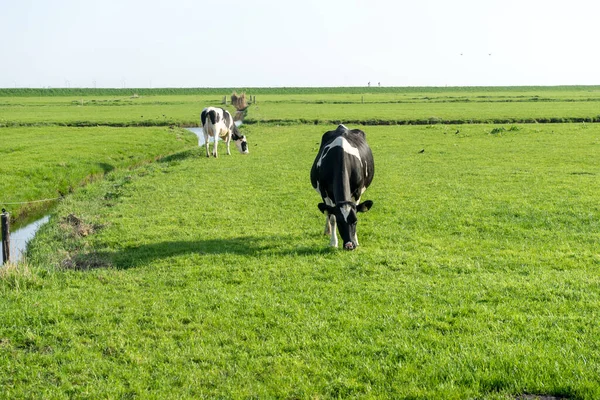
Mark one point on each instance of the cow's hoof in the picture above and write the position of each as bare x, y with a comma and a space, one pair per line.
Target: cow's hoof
349, 246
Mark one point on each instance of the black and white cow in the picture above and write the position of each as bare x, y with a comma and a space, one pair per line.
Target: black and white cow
341, 173
217, 122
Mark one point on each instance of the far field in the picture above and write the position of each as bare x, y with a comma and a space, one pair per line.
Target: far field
453, 105
178, 276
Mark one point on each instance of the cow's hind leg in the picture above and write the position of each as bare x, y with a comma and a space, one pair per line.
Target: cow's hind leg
206, 143
215, 144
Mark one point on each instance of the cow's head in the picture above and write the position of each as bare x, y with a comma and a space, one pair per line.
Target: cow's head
346, 217
240, 141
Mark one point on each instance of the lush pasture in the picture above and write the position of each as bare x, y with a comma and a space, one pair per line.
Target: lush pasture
477, 276
358, 105
111, 112
49, 162
454, 95
427, 112
173, 112
188, 277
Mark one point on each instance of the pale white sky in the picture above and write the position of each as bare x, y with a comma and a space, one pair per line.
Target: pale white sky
261, 43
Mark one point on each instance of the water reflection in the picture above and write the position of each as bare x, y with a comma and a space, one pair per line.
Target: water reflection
200, 133
20, 238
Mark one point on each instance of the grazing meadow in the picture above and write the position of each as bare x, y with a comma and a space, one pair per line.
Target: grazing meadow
49, 162
181, 276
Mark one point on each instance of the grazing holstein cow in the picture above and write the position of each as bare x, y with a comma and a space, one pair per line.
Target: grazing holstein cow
217, 122
341, 173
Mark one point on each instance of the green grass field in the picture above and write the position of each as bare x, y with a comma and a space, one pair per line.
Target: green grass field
426, 112
326, 106
188, 277
50, 162
126, 113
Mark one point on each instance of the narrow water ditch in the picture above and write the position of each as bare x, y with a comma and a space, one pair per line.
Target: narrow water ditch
21, 236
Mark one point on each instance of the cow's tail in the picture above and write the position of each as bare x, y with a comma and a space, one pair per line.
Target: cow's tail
203, 117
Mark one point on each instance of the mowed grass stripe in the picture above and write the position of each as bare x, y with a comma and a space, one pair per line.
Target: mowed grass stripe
476, 276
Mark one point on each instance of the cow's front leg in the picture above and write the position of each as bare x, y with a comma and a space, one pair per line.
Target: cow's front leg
327, 230
333, 242
227, 141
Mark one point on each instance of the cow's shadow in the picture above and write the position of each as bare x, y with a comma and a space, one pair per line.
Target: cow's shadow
183, 155
250, 246
106, 168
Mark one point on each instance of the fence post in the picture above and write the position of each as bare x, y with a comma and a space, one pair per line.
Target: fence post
5, 237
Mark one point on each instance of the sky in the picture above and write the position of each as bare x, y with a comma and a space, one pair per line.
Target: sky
279, 43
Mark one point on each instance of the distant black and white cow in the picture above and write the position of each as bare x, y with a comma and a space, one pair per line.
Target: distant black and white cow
341, 173
217, 122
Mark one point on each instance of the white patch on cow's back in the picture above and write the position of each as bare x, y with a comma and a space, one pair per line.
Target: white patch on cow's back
349, 149
340, 141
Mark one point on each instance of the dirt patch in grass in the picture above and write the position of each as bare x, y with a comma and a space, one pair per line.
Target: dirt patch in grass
80, 259
76, 227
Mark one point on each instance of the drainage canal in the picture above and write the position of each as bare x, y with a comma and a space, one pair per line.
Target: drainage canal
20, 237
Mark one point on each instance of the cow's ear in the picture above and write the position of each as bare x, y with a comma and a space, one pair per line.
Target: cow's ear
324, 207
364, 206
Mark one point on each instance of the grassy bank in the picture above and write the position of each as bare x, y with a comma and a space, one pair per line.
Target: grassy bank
51, 162
477, 275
